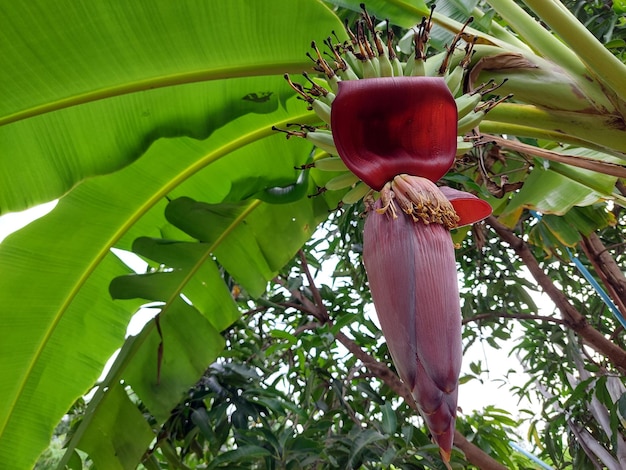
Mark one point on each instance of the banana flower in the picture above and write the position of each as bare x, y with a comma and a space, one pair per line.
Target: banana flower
398, 135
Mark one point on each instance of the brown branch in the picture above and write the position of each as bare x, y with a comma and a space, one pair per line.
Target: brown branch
607, 168
304, 304
309, 326
607, 269
254, 311
516, 316
317, 296
572, 317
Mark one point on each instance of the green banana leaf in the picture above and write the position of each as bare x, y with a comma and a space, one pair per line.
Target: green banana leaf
554, 234
97, 101
555, 188
88, 87
172, 351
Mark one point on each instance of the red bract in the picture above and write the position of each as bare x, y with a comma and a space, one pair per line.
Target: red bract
409, 257
383, 127
412, 277
468, 207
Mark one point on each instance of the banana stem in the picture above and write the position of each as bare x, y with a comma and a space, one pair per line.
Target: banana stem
493, 127
506, 43
544, 43
597, 57
604, 130
501, 33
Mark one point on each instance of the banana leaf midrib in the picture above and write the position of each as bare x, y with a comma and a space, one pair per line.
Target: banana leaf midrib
153, 83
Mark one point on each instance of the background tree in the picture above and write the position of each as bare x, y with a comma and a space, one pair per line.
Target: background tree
165, 148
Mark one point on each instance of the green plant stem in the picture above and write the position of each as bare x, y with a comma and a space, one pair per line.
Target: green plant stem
605, 131
598, 58
488, 126
506, 43
502, 33
544, 43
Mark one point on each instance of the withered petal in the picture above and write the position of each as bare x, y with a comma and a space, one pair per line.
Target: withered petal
383, 127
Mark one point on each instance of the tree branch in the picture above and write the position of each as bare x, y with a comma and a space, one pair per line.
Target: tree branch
572, 317
516, 316
473, 454
317, 296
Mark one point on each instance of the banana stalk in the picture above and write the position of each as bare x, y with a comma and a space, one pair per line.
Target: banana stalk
540, 39
604, 130
597, 58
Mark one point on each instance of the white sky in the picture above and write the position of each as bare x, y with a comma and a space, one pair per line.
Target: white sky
13, 221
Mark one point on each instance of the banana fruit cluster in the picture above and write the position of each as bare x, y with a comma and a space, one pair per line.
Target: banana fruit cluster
365, 56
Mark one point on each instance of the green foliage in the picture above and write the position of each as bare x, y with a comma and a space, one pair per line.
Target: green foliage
606, 23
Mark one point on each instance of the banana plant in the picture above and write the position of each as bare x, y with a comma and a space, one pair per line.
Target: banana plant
565, 81
564, 100
152, 122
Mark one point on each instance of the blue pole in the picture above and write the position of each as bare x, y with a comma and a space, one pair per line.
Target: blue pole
532, 457
601, 292
587, 275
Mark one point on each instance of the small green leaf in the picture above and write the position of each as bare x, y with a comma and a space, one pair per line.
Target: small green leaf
476, 367
619, 6
241, 454
390, 420
363, 439
616, 43
200, 418
621, 405
389, 456
291, 339
466, 378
